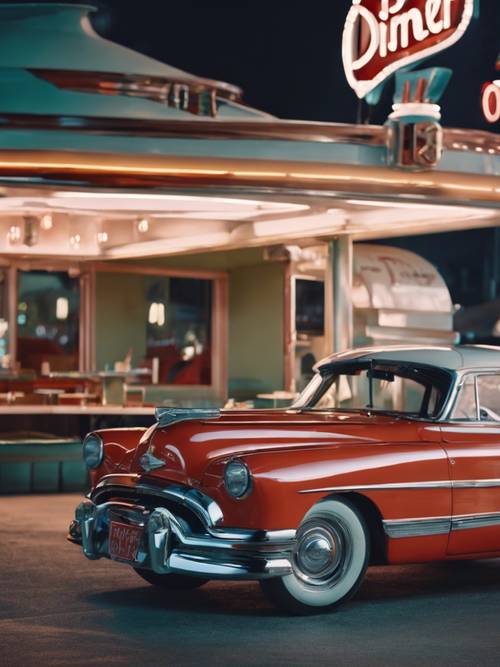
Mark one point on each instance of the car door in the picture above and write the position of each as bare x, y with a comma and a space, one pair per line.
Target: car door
471, 439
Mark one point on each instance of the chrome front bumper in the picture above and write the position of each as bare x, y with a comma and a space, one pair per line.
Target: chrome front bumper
168, 544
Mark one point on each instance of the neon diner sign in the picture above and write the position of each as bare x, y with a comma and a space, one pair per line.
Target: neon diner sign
490, 99
383, 36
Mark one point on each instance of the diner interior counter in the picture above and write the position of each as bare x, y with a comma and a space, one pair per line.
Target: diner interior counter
75, 410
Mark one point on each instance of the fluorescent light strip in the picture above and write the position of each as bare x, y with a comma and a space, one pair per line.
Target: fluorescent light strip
413, 206
161, 246
265, 205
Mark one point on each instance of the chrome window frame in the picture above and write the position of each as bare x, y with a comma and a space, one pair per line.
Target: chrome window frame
442, 414
460, 378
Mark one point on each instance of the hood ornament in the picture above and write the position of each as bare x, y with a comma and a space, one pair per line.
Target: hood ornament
167, 416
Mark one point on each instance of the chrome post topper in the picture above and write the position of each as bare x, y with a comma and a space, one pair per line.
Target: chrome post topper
414, 133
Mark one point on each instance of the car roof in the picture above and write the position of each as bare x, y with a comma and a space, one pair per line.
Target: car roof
453, 358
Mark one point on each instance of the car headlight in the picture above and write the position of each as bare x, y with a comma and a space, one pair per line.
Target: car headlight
237, 479
93, 450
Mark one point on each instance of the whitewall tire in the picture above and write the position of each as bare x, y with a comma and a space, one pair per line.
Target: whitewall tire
329, 560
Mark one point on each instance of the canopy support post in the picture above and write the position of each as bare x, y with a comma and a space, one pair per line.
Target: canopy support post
339, 308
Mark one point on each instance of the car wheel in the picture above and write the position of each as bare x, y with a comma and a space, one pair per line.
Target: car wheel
329, 560
173, 582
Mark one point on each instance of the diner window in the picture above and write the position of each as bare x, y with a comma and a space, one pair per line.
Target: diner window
310, 307
4, 321
161, 322
48, 309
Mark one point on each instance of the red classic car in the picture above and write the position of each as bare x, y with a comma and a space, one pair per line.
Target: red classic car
389, 456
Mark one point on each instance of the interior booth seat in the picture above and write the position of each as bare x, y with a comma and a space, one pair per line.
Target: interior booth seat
38, 464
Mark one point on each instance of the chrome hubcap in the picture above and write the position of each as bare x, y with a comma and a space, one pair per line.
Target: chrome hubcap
316, 552
322, 552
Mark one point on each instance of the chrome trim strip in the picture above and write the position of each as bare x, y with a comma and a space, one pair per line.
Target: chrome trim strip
442, 525
475, 483
202, 566
254, 130
468, 521
401, 486
171, 547
476, 398
206, 509
473, 429
417, 527
135, 84
384, 487
196, 96
275, 129
122, 479
250, 176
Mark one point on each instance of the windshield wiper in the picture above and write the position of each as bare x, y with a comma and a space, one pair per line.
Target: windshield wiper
370, 387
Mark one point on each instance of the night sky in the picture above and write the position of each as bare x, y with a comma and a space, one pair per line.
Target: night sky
287, 58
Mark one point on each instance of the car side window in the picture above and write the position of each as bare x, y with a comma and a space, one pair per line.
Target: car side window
434, 402
465, 406
489, 397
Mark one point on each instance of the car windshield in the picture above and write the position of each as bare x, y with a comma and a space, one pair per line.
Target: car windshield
412, 391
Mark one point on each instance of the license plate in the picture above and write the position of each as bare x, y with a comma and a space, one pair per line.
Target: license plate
124, 541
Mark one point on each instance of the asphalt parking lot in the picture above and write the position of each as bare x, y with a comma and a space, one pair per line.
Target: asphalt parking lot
57, 608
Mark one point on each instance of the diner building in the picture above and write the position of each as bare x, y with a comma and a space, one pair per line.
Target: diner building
163, 243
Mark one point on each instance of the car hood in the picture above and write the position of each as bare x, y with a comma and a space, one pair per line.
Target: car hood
182, 451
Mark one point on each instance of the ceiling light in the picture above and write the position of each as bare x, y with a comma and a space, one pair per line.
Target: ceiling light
14, 234
401, 205
46, 222
62, 308
143, 225
386, 204
156, 314
418, 212
102, 237
74, 240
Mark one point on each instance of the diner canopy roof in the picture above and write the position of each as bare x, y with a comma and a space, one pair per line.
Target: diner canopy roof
106, 153
53, 61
